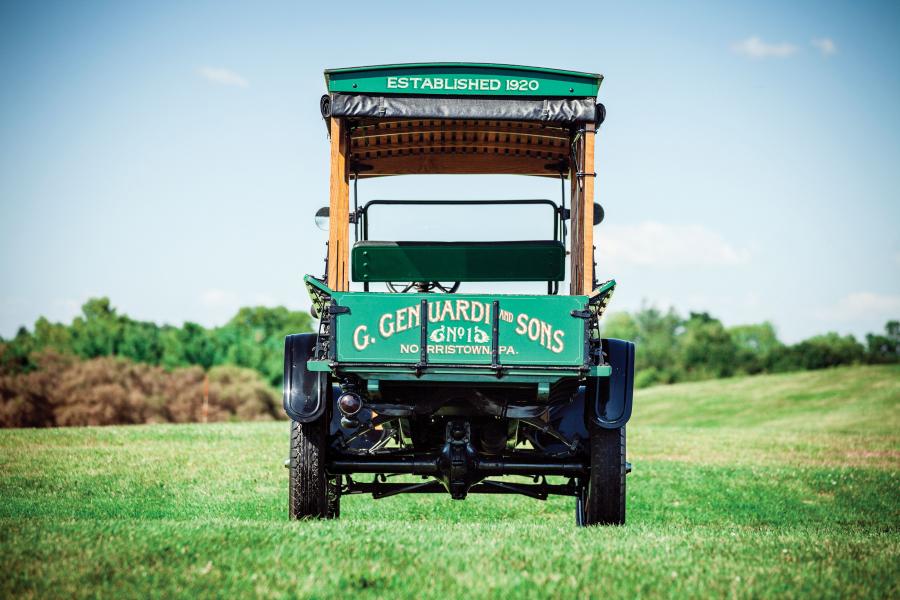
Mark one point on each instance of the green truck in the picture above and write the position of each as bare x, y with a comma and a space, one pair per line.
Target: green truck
422, 387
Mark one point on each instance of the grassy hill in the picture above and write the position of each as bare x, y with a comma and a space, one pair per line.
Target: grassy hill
784, 484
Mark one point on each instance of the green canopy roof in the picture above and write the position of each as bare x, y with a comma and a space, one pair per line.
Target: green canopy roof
463, 79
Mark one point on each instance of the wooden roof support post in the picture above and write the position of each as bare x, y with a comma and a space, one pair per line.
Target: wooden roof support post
590, 175
339, 209
582, 179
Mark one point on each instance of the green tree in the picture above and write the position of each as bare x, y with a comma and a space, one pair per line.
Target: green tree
97, 331
52, 336
655, 334
884, 348
828, 350
15, 354
707, 349
140, 341
757, 346
191, 344
254, 338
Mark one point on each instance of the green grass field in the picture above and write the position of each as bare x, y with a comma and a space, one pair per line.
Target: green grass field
783, 485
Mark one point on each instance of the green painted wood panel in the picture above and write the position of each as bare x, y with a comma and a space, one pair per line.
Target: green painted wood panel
458, 261
463, 79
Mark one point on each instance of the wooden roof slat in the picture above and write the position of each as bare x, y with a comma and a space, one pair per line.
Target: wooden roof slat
408, 146
560, 153
468, 136
452, 125
459, 163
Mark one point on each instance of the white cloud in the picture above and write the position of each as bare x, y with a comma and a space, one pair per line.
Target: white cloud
222, 76
754, 47
657, 244
825, 45
862, 305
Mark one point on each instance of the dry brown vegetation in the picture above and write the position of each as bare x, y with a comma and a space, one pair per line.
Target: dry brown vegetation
66, 391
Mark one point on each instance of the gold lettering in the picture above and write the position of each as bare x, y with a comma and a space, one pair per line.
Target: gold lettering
545, 334
362, 330
386, 331
448, 310
434, 311
477, 311
462, 309
558, 341
534, 329
522, 321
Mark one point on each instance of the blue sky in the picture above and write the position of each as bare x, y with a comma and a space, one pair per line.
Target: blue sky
171, 156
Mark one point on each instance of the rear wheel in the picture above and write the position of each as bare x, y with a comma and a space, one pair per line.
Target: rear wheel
601, 495
312, 494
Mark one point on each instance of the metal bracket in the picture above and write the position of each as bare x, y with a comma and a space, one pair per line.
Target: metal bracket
538, 491
495, 338
457, 456
423, 338
548, 429
334, 310
587, 315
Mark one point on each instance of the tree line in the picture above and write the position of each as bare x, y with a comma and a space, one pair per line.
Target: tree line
253, 338
106, 368
672, 348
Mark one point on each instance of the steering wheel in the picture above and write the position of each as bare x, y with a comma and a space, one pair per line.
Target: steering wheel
393, 286
421, 286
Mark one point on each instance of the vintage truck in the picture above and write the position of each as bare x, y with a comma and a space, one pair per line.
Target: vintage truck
421, 387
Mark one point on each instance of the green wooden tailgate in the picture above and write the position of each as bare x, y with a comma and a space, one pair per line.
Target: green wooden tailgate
533, 330
542, 260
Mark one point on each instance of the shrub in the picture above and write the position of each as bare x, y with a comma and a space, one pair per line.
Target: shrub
829, 350
65, 391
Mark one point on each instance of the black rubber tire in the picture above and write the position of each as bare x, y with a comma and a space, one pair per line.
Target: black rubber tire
602, 498
311, 493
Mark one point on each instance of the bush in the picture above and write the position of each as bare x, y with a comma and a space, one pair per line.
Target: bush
829, 350
65, 391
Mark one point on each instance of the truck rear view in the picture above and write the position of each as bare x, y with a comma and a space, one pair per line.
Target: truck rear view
412, 384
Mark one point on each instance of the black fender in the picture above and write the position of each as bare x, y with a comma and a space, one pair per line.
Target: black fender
305, 392
608, 400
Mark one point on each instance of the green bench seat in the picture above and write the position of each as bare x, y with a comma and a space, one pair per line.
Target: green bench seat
542, 260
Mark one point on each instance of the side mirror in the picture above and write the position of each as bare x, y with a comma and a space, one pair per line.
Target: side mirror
322, 218
598, 213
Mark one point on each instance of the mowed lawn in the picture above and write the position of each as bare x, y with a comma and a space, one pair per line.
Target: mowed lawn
783, 485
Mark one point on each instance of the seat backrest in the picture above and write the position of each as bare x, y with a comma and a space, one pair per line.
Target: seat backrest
542, 260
